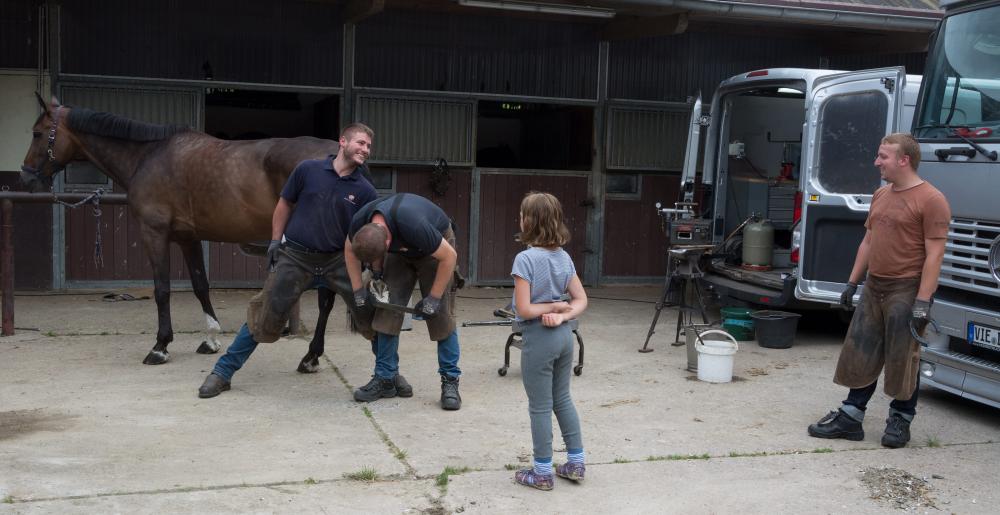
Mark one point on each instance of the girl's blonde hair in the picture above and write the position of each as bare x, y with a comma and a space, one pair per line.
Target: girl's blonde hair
542, 217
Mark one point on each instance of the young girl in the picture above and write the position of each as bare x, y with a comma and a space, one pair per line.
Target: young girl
542, 275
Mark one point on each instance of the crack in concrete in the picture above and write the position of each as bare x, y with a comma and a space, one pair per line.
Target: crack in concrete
396, 451
412, 476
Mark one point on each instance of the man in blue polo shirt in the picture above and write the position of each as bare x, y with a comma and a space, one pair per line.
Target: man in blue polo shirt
409, 240
313, 214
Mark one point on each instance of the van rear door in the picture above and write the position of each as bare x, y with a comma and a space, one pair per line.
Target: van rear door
848, 114
691, 152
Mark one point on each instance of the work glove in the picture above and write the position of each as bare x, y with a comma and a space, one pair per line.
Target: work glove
272, 254
429, 305
847, 298
361, 296
921, 314
376, 275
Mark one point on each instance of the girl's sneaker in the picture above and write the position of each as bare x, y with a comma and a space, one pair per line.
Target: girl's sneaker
528, 477
572, 471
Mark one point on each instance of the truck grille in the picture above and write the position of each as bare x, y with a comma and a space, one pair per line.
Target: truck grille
966, 257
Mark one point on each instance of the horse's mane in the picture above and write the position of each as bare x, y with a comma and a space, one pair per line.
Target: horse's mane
114, 126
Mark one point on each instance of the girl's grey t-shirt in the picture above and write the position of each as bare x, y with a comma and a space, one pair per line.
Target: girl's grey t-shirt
548, 271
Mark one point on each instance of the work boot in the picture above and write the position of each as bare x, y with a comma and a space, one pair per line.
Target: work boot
213, 385
450, 399
376, 389
837, 424
403, 388
897, 431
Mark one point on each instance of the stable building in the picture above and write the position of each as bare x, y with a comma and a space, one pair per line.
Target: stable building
473, 102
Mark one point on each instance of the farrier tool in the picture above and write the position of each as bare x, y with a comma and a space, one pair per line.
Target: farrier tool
380, 299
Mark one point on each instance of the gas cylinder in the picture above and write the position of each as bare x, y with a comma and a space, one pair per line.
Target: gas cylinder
758, 244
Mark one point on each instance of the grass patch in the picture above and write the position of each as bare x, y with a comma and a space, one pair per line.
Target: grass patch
622, 460
933, 441
442, 478
50, 333
367, 412
8, 499
822, 450
511, 466
734, 454
310, 481
400, 454
365, 474
676, 457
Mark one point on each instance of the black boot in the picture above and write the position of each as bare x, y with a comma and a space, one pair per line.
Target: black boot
837, 424
897, 432
213, 385
376, 389
450, 399
403, 388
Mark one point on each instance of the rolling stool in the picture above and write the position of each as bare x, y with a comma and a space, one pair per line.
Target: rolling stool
515, 340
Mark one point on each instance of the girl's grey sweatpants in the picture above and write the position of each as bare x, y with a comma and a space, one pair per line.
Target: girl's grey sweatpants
546, 369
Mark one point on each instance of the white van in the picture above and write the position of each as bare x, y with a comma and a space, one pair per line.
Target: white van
796, 147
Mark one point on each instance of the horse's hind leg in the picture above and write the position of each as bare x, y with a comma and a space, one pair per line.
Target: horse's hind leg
158, 250
199, 282
310, 362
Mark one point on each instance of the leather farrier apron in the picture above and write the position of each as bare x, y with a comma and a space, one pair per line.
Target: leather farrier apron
879, 335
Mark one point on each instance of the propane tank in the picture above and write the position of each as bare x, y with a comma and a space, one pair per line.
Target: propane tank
758, 244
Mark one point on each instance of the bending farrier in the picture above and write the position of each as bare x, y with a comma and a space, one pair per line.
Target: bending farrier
902, 251
406, 239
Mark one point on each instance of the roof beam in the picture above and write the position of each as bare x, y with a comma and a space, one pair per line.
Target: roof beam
632, 27
357, 10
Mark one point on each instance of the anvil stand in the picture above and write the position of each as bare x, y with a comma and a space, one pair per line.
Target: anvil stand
683, 274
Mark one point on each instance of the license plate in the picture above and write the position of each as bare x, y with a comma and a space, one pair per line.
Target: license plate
984, 336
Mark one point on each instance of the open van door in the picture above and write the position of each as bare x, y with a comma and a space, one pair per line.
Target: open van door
691, 152
848, 115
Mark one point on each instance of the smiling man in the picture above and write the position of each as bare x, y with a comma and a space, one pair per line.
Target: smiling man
313, 215
902, 251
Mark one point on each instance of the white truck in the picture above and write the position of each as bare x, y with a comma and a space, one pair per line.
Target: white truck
795, 146
958, 126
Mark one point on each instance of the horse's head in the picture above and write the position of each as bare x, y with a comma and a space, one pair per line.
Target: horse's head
51, 147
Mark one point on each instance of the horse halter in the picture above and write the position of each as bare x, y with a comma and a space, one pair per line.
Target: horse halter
55, 164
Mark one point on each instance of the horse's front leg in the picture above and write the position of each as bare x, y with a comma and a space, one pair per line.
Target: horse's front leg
158, 250
310, 362
199, 282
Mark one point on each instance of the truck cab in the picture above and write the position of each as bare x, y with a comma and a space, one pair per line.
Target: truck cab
794, 147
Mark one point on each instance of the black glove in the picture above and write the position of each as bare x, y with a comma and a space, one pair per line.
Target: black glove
847, 298
272, 254
921, 314
361, 297
429, 305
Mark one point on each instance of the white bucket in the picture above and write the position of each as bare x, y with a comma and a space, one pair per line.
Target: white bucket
715, 357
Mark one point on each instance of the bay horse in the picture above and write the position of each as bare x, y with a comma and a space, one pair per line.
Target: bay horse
183, 186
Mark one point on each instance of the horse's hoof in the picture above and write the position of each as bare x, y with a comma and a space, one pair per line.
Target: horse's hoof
208, 347
309, 366
156, 357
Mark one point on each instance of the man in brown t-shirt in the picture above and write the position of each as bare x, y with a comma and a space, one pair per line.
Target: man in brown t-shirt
902, 250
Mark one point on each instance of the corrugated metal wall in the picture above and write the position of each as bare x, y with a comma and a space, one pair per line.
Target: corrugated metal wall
477, 54
19, 33
672, 68
647, 138
414, 130
124, 257
288, 42
914, 63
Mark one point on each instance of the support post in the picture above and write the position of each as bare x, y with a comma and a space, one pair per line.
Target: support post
7, 265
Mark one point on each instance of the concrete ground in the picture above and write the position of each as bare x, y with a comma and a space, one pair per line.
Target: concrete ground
86, 428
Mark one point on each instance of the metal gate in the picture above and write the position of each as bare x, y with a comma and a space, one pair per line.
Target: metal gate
124, 260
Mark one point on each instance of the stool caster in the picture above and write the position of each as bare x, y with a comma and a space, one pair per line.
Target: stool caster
576, 370
503, 371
